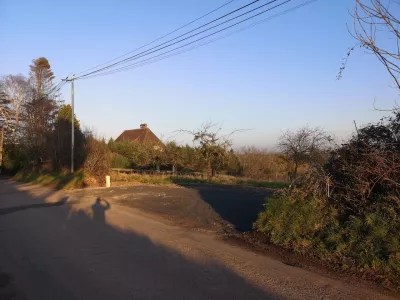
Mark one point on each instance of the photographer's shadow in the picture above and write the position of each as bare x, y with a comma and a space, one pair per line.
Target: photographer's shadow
99, 210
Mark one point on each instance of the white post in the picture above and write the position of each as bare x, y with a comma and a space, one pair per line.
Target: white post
108, 181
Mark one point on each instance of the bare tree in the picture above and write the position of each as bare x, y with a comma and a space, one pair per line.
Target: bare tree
212, 144
97, 161
306, 145
376, 25
18, 91
5, 116
5, 110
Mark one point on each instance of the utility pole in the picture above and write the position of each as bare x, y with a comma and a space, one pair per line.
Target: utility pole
1, 146
72, 122
72, 119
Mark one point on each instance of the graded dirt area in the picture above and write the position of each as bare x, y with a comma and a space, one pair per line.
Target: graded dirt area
207, 207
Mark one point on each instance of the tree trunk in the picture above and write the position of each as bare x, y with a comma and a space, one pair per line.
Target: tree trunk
212, 172
17, 115
173, 169
296, 166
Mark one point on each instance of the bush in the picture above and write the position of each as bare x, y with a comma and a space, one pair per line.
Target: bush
366, 169
373, 241
292, 221
119, 161
97, 161
347, 210
13, 159
369, 244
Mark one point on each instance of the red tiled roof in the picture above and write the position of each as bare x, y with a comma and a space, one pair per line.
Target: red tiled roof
142, 135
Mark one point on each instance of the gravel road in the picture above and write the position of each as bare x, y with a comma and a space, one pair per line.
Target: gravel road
58, 246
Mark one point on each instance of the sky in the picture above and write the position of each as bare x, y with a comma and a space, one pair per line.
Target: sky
277, 76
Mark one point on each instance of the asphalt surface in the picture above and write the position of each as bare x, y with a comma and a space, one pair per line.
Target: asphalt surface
57, 246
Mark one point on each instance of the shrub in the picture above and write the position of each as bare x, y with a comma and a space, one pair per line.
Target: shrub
366, 169
373, 241
13, 159
97, 161
293, 221
369, 243
348, 209
119, 161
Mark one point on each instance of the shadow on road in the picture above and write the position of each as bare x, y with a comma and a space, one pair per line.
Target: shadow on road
85, 258
238, 205
13, 209
99, 209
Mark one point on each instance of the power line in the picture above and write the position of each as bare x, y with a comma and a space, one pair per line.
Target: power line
160, 38
141, 54
211, 34
236, 10
153, 60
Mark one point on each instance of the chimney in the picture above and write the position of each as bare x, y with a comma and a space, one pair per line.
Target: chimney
143, 126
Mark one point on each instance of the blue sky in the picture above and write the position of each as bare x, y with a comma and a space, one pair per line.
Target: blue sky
276, 76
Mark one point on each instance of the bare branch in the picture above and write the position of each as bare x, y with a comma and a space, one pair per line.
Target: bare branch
372, 24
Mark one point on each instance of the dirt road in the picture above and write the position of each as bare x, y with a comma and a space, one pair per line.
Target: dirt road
56, 246
198, 206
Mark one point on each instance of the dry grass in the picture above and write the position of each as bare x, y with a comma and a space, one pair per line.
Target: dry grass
119, 179
260, 164
58, 180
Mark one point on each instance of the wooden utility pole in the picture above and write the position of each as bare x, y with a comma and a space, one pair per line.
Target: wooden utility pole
72, 122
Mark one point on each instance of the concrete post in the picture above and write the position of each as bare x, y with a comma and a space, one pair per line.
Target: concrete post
108, 181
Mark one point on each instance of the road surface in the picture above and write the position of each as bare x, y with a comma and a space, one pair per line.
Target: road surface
56, 246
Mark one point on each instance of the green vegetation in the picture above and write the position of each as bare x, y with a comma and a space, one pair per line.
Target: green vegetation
37, 131
347, 210
343, 203
260, 183
292, 221
55, 179
367, 244
170, 179
248, 164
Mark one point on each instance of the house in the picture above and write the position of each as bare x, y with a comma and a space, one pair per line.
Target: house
142, 135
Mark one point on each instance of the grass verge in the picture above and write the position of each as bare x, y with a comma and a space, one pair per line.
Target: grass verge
65, 180
58, 180
168, 179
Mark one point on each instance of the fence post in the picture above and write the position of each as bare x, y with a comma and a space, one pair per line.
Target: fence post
328, 187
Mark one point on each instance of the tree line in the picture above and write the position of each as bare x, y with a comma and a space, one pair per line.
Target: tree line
36, 126
36, 136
